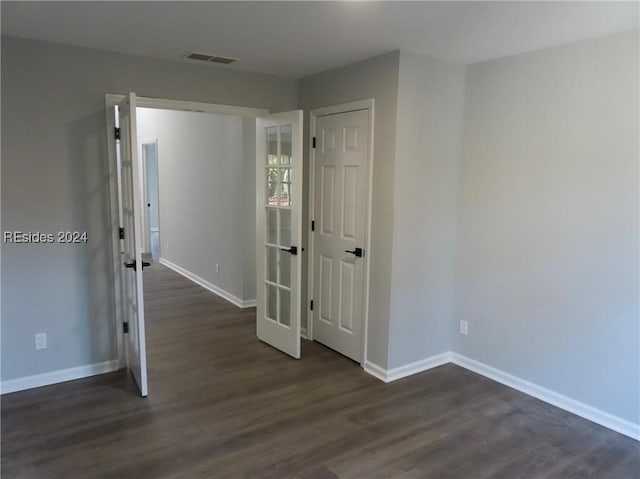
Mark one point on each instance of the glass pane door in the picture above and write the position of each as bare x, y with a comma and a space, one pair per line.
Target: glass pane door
278, 204
279, 171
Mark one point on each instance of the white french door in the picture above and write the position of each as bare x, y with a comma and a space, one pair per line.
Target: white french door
279, 229
131, 256
340, 214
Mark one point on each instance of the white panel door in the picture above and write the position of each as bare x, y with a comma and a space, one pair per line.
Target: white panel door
279, 229
340, 200
131, 221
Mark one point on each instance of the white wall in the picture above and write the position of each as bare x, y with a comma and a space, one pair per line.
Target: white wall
249, 213
55, 177
374, 78
547, 270
428, 154
201, 164
418, 135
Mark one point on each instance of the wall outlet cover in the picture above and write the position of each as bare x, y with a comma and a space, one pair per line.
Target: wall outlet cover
464, 327
41, 341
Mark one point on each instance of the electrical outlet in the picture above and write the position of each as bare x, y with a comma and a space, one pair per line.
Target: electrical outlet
41, 341
217, 268
464, 327
168, 248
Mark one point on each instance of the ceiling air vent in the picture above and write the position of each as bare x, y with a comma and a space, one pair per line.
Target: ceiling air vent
199, 56
204, 57
224, 60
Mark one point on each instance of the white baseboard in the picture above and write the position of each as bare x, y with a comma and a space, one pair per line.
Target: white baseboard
578, 408
581, 409
375, 371
408, 369
240, 303
418, 366
54, 377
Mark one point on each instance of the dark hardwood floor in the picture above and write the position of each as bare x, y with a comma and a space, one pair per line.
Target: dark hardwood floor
224, 405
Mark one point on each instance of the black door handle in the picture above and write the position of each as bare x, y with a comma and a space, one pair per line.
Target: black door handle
292, 250
357, 252
132, 264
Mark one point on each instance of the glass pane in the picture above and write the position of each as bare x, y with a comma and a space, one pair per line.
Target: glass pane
272, 145
285, 145
285, 228
272, 305
272, 264
272, 226
272, 186
285, 187
285, 269
285, 307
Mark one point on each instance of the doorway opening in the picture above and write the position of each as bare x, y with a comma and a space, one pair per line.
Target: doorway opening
181, 197
151, 199
269, 207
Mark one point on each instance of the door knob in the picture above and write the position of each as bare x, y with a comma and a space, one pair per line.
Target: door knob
356, 252
292, 250
132, 265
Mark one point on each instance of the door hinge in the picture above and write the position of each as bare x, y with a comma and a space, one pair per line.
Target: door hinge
116, 132
121, 232
314, 141
125, 327
313, 225
311, 305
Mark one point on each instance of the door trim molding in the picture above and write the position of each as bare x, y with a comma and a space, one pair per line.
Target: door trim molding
367, 104
186, 105
111, 100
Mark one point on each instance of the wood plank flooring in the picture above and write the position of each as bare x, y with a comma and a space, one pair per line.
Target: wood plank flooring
224, 405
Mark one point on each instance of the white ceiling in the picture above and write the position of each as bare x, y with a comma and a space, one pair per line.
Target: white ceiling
298, 38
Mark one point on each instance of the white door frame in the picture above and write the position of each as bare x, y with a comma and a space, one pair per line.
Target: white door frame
145, 191
369, 105
111, 100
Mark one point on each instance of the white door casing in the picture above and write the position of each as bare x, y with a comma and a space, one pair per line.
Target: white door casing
279, 171
340, 236
131, 221
115, 191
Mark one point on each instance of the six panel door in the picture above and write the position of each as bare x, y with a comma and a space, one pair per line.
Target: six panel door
340, 196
